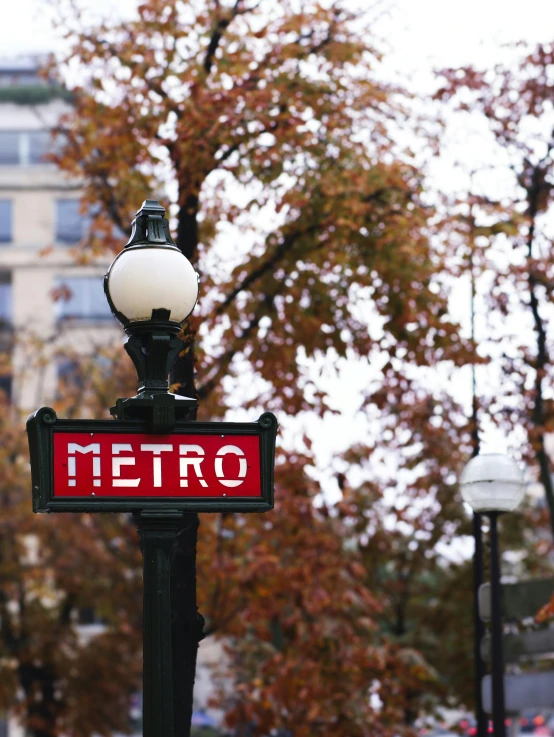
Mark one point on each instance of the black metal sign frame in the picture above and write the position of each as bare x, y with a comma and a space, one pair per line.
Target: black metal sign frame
43, 423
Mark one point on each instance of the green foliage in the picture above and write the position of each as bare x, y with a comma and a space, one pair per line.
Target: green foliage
205, 732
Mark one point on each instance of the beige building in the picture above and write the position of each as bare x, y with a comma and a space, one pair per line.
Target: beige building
40, 228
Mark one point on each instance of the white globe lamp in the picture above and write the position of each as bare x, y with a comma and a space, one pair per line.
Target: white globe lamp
492, 482
151, 279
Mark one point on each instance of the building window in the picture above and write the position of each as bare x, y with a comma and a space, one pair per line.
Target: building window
5, 221
24, 147
70, 224
5, 298
9, 147
69, 376
81, 298
39, 145
69, 373
6, 390
15, 77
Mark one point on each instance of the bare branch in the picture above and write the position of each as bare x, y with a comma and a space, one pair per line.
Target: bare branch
282, 249
219, 29
223, 362
538, 418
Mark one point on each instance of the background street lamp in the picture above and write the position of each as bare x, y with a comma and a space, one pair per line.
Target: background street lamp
492, 484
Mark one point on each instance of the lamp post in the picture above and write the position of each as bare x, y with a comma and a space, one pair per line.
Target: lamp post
492, 484
154, 459
152, 288
478, 625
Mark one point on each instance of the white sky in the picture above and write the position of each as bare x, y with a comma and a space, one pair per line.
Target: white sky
421, 33
439, 32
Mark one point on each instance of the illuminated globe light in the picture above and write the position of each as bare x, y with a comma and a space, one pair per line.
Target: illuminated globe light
492, 482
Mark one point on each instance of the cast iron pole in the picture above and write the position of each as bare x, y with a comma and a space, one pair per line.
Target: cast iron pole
498, 710
157, 533
172, 625
478, 626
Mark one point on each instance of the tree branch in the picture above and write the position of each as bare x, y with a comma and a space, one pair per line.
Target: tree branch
533, 194
153, 84
282, 249
223, 362
217, 34
100, 177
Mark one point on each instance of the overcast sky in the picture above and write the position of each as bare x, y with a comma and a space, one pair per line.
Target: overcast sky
421, 33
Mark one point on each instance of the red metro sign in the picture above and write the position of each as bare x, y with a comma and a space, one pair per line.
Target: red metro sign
97, 465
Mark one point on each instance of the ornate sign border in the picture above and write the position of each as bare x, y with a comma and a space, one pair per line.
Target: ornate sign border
43, 423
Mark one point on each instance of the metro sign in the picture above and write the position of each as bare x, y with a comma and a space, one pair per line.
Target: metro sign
113, 465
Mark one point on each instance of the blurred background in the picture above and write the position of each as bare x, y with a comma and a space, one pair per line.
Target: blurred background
367, 194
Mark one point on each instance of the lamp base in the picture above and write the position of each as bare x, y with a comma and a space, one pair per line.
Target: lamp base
159, 410
153, 346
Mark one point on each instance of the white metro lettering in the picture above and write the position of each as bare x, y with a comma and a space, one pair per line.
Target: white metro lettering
179, 465
157, 449
72, 450
218, 465
195, 462
117, 463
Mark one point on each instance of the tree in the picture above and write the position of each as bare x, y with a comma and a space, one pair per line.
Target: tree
301, 620
511, 238
53, 675
269, 119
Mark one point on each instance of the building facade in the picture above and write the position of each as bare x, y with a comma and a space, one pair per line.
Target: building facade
44, 292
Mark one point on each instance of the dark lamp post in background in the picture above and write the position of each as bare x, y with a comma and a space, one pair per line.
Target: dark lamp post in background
493, 484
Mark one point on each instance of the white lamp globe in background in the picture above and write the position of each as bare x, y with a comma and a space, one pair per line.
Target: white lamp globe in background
492, 482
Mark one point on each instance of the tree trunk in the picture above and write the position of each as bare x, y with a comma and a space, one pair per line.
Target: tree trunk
43, 711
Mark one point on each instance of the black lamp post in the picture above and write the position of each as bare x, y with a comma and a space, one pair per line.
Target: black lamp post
478, 626
152, 288
492, 484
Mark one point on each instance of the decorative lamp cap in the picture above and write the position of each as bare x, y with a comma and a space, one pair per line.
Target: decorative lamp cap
150, 226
